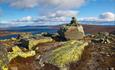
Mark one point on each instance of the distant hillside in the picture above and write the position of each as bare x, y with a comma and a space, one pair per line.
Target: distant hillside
87, 28
98, 28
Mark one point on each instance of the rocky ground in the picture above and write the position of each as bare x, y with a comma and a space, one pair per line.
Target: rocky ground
96, 56
54, 52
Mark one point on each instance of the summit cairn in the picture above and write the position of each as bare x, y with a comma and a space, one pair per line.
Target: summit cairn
72, 31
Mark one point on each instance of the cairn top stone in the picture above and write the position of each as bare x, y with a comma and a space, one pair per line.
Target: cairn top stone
74, 21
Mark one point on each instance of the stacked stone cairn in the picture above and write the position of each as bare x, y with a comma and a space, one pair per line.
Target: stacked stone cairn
71, 31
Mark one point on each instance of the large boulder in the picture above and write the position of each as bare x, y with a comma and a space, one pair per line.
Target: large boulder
61, 57
72, 31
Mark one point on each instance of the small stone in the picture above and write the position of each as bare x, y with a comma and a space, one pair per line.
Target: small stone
111, 68
14, 68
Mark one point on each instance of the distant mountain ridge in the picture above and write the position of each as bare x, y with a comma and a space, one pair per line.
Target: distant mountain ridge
87, 28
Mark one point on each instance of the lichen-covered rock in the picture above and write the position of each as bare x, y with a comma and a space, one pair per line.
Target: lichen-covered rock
71, 51
34, 42
31, 42
3, 58
18, 52
6, 57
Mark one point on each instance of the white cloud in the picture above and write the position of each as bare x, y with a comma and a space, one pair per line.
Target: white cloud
23, 3
27, 18
15, 23
63, 4
88, 19
107, 16
55, 4
58, 16
1, 1
23, 19
66, 13
46, 6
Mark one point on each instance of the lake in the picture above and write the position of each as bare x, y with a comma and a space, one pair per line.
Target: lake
33, 30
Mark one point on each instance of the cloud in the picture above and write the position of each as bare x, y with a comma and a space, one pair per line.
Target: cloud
63, 4
23, 3
1, 1
48, 6
27, 18
58, 16
88, 19
24, 19
54, 18
66, 13
107, 16
53, 4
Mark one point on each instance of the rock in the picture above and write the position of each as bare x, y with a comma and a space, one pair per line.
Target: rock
111, 68
31, 42
74, 21
3, 58
61, 33
18, 52
42, 48
46, 34
14, 68
55, 37
71, 51
113, 32
72, 31
34, 42
23, 43
101, 37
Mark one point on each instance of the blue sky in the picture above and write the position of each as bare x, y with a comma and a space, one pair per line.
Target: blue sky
96, 7
28, 11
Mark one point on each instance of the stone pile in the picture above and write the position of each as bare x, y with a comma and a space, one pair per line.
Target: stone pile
72, 31
103, 37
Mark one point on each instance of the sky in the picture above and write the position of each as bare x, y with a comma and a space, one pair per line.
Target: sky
52, 12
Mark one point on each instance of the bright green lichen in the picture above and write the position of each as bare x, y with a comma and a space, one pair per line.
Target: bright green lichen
69, 52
